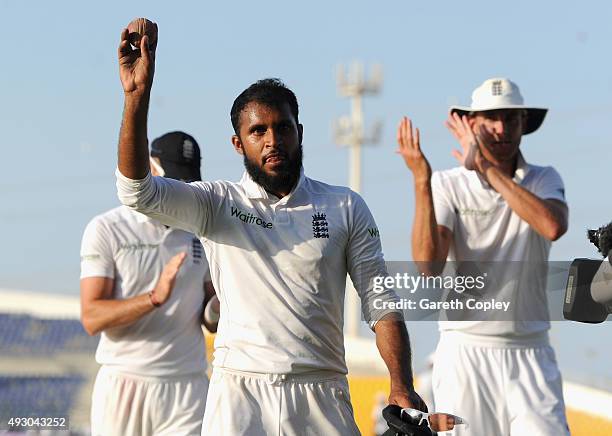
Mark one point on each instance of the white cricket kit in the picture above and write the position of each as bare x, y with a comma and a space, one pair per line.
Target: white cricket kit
278, 265
162, 352
506, 388
126, 404
485, 229
256, 404
500, 375
132, 249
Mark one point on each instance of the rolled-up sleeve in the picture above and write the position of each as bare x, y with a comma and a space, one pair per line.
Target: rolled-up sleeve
366, 264
186, 206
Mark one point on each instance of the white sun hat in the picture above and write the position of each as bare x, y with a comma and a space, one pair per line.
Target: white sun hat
501, 93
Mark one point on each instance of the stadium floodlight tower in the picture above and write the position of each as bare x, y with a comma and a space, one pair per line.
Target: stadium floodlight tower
349, 131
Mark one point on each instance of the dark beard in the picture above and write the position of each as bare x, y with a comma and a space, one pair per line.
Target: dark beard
286, 179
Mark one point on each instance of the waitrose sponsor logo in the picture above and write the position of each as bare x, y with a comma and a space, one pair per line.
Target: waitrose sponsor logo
476, 212
249, 218
137, 247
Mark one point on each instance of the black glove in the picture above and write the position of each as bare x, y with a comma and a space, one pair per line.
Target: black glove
400, 427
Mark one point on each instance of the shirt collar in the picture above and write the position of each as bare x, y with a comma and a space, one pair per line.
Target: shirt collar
142, 218
252, 189
255, 191
522, 168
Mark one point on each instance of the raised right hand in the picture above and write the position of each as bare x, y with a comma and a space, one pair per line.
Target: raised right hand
137, 66
167, 278
410, 149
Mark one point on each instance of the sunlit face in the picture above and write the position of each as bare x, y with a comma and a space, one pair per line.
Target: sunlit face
501, 131
271, 142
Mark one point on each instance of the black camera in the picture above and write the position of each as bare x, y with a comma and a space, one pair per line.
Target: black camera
588, 293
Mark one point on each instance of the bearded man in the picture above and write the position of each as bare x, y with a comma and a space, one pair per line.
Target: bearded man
279, 246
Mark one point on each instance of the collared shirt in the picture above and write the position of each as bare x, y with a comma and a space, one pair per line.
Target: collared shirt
486, 229
132, 249
279, 266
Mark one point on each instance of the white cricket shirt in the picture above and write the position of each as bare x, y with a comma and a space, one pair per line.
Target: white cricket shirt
132, 249
278, 265
485, 229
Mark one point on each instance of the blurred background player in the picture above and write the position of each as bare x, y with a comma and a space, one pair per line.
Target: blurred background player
501, 376
144, 286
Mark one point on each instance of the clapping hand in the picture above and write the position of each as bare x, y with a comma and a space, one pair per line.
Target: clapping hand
410, 149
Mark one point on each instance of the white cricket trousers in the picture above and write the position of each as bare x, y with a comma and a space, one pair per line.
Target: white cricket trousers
501, 387
253, 404
129, 405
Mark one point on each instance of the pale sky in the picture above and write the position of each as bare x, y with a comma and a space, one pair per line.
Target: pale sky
62, 101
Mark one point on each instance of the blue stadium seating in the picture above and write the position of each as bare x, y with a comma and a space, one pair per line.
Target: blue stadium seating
27, 335
37, 396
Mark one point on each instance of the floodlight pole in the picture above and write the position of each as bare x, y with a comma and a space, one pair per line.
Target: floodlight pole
349, 131
355, 147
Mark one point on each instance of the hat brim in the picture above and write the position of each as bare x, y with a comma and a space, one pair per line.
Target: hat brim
535, 115
180, 171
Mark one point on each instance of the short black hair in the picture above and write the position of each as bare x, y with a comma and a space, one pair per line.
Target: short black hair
271, 92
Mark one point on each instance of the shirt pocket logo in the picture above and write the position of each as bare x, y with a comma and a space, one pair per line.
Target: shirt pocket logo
320, 226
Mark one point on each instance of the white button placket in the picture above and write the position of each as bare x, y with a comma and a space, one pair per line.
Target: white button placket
281, 214
281, 217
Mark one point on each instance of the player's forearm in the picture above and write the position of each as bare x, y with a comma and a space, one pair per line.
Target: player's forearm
426, 247
394, 346
538, 213
100, 315
133, 143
